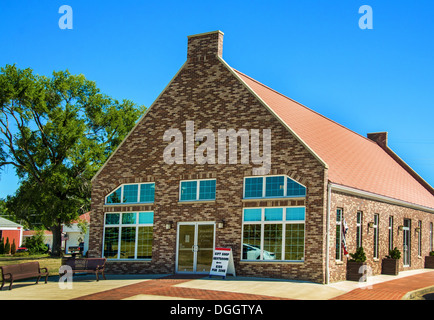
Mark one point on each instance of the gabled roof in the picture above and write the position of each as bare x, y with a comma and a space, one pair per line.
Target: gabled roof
353, 160
5, 223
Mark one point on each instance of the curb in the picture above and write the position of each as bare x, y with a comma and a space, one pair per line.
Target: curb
417, 293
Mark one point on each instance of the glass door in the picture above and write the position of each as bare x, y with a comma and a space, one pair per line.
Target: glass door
205, 247
406, 243
186, 248
195, 247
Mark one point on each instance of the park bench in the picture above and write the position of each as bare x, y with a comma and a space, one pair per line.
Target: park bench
22, 271
87, 265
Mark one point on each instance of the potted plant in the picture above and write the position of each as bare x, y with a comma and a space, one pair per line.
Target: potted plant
355, 266
429, 260
390, 264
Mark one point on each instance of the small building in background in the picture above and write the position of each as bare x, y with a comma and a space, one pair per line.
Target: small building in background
11, 230
73, 235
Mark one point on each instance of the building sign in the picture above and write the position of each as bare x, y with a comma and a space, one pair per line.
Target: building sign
222, 262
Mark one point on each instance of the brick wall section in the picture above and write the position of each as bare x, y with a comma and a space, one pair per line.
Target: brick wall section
206, 92
350, 205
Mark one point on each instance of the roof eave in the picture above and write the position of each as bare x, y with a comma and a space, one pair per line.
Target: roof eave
379, 197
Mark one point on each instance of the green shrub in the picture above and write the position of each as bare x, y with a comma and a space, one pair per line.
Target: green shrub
7, 246
13, 247
36, 244
2, 246
431, 253
358, 256
394, 254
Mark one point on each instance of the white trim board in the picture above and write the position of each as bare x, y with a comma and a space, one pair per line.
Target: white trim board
379, 197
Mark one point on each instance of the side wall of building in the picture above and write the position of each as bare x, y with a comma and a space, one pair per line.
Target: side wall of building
350, 205
206, 92
13, 235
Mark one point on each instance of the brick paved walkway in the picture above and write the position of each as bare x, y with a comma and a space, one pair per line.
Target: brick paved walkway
166, 286
391, 290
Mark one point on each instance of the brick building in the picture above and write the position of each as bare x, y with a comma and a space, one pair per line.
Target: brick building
12, 231
155, 211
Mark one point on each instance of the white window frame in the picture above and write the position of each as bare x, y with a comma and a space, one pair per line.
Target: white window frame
431, 236
197, 189
338, 254
376, 253
122, 193
120, 225
359, 228
262, 223
419, 238
391, 222
264, 185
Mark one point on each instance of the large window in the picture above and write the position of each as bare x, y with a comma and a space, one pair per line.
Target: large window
128, 235
197, 190
274, 233
272, 187
132, 193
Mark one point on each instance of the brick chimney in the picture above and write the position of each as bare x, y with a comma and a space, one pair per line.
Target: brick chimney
379, 137
204, 46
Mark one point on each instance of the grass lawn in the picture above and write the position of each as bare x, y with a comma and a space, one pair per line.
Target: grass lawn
45, 261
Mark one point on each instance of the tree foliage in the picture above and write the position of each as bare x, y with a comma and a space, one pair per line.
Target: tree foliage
57, 132
36, 243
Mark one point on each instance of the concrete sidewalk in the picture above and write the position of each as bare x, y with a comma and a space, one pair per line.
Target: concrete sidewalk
175, 287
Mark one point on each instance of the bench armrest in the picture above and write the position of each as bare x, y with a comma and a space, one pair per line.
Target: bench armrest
40, 269
8, 273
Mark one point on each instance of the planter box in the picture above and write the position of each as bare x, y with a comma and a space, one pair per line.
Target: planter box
390, 266
429, 262
354, 271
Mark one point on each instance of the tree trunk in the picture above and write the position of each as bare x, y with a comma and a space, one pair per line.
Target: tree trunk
57, 240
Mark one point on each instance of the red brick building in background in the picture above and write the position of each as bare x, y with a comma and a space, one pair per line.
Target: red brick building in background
150, 215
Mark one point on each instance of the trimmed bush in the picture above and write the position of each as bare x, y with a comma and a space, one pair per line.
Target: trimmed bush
358, 256
7, 246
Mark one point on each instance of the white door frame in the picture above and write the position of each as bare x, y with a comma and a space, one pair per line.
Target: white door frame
195, 223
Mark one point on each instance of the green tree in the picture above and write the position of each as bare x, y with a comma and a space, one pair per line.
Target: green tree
2, 246
13, 247
36, 243
57, 132
7, 246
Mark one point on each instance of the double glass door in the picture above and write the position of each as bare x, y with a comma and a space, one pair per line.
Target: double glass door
195, 247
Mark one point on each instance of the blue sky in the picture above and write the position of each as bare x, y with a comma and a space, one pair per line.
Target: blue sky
312, 51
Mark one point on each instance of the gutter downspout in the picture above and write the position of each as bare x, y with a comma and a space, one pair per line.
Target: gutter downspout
329, 196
